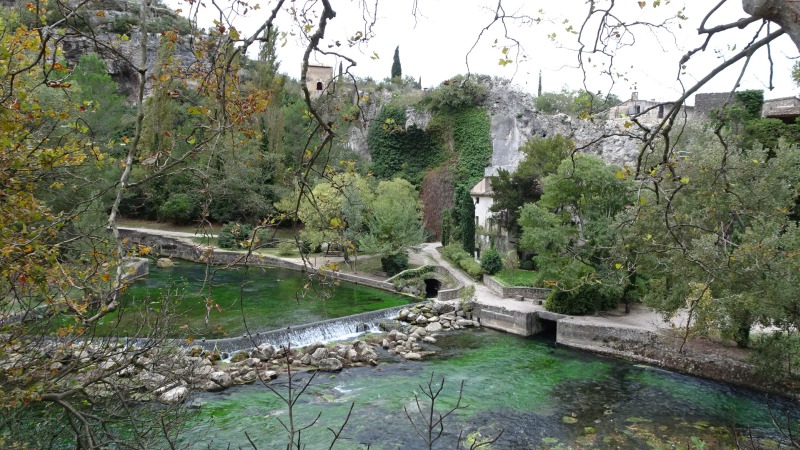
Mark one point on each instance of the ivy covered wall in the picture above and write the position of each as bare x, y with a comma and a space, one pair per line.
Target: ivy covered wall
450, 155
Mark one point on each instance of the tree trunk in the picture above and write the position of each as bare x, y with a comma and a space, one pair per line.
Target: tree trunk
785, 13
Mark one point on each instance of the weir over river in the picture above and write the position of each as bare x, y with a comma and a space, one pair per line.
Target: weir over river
539, 394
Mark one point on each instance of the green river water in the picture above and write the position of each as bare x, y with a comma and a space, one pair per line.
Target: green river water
268, 298
540, 395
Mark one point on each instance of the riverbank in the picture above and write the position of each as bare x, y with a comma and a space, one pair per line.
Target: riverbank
642, 335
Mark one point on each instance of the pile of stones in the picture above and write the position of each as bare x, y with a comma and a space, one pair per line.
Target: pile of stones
423, 322
168, 375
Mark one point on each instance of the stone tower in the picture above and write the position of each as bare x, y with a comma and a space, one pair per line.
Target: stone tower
318, 78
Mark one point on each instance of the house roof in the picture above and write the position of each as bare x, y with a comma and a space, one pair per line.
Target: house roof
482, 189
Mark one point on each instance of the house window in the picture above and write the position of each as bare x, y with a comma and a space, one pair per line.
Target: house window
637, 109
476, 221
319, 85
660, 111
477, 200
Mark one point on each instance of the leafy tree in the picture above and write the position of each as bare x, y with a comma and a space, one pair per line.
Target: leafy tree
234, 235
458, 93
464, 217
571, 227
103, 109
334, 212
512, 191
397, 71
394, 223
543, 156
580, 103
727, 244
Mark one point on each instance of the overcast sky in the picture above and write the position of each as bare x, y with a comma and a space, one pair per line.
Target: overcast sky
434, 45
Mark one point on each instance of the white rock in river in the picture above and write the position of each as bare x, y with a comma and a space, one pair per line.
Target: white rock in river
174, 396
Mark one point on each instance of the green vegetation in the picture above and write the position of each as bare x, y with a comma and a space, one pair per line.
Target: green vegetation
397, 70
457, 136
457, 94
394, 224
491, 261
578, 103
512, 191
571, 230
234, 235
400, 152
458, 256
517, 277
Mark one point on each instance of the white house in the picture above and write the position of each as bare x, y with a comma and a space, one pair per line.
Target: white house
483, 198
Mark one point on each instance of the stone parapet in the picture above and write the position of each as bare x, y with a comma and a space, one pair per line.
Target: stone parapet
181, 248
521, 323
515, 291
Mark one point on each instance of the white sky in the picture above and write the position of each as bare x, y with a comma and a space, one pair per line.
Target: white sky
434, 46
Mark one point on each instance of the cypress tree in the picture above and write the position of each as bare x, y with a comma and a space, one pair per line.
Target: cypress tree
397, 72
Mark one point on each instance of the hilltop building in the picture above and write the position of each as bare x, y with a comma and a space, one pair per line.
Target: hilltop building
643, 109
318, 78
786, 109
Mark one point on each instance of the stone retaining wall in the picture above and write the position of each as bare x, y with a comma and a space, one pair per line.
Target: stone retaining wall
661, 349
449, 294
182, 248
134, 268
514, 291
514, 322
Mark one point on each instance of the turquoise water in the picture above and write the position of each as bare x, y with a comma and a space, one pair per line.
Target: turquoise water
259, 298
540, 395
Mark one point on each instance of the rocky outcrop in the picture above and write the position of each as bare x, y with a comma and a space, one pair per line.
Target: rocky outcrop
110, 29
515, 121
425, 320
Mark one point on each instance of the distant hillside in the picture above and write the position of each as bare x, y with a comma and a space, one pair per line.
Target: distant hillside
110, 28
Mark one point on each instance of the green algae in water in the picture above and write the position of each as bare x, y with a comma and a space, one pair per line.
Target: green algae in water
504, 388
268, 298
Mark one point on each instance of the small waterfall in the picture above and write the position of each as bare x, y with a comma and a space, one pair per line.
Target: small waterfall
340, 329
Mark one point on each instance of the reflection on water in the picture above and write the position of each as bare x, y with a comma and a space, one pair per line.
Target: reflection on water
262, 298
540, 395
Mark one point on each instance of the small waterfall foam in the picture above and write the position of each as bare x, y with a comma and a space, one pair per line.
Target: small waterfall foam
340, 329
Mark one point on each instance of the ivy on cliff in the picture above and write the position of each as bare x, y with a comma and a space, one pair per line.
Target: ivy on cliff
472, 136
398, 151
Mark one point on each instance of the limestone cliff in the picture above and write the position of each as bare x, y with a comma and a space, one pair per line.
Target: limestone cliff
110, 29
514, 121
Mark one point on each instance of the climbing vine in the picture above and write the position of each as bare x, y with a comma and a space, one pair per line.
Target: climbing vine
398, 151
472, 136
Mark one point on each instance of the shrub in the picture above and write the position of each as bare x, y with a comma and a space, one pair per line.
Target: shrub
586, 299
233, 234
286, 248
454, 252
179, 208
472, 268
394, 264
527, 265
458, 93
491, 262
